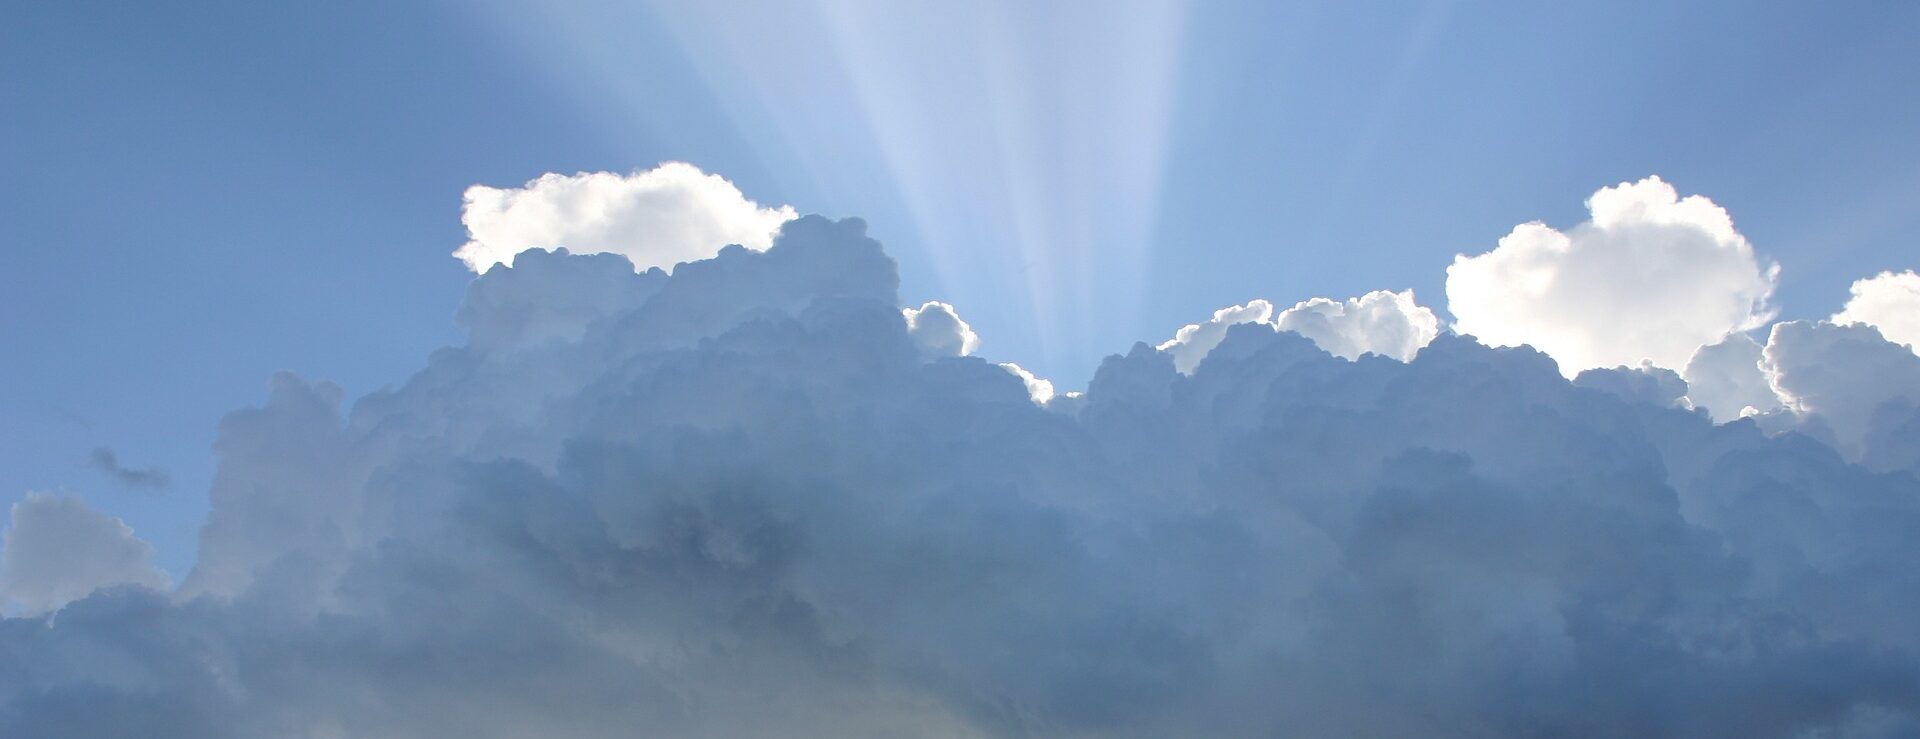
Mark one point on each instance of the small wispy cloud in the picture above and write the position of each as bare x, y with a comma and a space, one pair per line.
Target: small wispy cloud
105, 460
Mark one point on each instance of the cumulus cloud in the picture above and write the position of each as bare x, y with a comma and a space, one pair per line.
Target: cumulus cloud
1038, 388
1650, 275
57, 549
1386, 323
1848, 376
1645, 385
741, 500
555, 296
1381, 322
1890, 302
670, 214
937, 329
1191, 343
1726, 381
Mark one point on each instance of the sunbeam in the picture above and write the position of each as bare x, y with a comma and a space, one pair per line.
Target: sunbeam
1025, 143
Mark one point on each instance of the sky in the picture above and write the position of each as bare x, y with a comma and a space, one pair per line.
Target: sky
200, 197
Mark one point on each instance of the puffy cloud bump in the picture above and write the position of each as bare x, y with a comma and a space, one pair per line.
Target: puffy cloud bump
1191, 343
1650, 275
937, 329
1386, 323
658, 218
1725, 379
1848, 376
1038, 388
1645, 384
1889, 301
742, 500
58, 549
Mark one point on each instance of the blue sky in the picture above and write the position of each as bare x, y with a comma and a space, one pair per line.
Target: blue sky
198, 196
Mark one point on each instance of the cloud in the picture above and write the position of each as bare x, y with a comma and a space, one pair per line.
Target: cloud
1038, 388
937, 329
57, 550
1650, 275
1645, 385
1846, 375
1725, 379
1890, 302
670, 214
545, 297
1381, 322
1385, 323
1191, 343
105, 460
741, 500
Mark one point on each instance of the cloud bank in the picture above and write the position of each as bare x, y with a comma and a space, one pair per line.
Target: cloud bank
658, 218
1650, 275
754, 497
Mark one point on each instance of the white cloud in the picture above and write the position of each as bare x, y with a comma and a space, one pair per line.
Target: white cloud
657, 218
1725, 379
1191, 343
1381, 322
938, 330
58, 549
1038, 388
1386, 323
1650, 275
1889, 301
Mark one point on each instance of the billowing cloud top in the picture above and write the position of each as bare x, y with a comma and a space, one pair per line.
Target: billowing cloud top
938, 330
1725, 379
1889, 301
1191, 343
1856, 383
58, 549
1386, 323
753, 498
1650, 275
658, 218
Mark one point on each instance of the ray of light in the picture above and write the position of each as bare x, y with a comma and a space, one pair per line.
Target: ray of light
1027, 142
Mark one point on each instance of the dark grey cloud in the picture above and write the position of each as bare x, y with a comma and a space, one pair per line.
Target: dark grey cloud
742, 500
106, 460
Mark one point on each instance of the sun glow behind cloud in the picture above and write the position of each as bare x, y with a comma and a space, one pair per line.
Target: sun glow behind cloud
1026, 143
1066, 113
